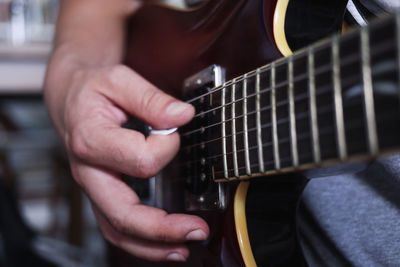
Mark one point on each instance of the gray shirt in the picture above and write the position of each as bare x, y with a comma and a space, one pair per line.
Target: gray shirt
353, 219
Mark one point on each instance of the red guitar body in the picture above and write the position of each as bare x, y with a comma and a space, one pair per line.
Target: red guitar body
168, 45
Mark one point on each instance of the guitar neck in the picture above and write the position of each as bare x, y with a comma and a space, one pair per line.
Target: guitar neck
337, 100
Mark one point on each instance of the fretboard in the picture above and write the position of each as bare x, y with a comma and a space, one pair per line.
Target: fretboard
335, 101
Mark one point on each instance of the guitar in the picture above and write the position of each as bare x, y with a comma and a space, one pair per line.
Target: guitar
265, 116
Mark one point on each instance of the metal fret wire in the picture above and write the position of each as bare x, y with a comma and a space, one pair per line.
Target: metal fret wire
273, 119
313, 107
224, 133
258, 119
293, 138
368, 92
245, 131
303, 76
397, 29
337, 91
235, 162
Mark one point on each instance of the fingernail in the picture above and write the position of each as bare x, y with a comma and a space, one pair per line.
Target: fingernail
175, 257
196, 235
177, 108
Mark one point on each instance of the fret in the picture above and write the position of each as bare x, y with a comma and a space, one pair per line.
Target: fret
273, 119
245, 130
252, 122
313, 106
239, 127
368, 92
292, 118
223, 130
302, 116
258, 118
397, 30
233, 113
340, 131
265, 113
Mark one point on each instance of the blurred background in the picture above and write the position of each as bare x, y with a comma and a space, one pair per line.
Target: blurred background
33, 165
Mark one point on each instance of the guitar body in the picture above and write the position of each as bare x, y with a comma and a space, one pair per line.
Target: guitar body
166, 46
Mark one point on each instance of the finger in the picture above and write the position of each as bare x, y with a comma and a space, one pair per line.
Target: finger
123, 150
146, 102
154, 251
124, 212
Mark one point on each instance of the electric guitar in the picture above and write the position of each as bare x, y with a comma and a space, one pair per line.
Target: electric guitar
265, 116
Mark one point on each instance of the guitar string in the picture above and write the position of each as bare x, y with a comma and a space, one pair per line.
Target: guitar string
281, 141
267, 145
282, 159
299, 116
356, 124
268, 89
322, 90
254, 165
298, 97
280, 62
321, 111
302, 77
351, 80
297, 78
379, 48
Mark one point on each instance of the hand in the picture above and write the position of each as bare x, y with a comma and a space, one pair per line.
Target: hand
88, 113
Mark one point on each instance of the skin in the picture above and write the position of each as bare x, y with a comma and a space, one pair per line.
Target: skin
89, 95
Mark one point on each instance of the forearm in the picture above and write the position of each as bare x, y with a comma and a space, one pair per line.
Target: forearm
92, 31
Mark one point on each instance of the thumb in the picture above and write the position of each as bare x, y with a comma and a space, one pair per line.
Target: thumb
143, 100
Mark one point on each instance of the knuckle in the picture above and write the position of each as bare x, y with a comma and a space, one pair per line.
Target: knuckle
113, 239
152, 100
162, 236
78, 145
118, 223
165, 232
76, 175
148, 98
147, 166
